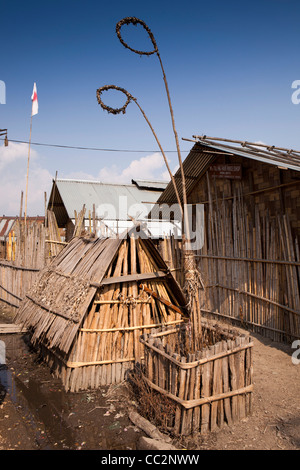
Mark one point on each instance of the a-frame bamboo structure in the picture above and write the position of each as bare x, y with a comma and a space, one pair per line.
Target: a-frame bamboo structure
88, 309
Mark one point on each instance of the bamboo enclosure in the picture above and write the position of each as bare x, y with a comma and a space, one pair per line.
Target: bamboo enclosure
208, 388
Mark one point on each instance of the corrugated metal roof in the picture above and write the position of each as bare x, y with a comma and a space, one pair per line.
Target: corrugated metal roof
6, 224
117, 200
194, 165
151, 185
266, 154
202, 156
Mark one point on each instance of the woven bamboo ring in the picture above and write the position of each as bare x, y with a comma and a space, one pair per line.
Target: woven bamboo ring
135, 21
108, 108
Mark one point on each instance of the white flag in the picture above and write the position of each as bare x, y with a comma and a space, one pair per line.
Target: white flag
35, 104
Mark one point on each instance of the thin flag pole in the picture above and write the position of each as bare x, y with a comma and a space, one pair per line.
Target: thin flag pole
26, 193
34, 111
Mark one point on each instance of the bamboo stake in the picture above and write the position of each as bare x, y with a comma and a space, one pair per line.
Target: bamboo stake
226, 388
216, 389
179, 416
233, 384
134, 310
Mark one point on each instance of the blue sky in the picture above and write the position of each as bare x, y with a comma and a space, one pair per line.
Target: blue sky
230, 66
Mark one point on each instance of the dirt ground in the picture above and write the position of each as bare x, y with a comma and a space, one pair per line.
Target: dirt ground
37, 414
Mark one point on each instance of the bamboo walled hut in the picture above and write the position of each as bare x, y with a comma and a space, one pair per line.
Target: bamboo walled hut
250, 258
89, 307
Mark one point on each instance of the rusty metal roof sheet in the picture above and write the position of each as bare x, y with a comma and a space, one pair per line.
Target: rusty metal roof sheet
6, 224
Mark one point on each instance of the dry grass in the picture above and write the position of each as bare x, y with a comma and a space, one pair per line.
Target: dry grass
152, 405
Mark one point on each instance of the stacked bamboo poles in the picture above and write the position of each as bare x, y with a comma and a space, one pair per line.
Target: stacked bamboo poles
209, 388
107, 345
30, 244
54, 244
251, 267
79, 222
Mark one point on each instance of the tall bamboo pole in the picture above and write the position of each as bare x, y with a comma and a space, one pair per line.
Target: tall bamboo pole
191, 272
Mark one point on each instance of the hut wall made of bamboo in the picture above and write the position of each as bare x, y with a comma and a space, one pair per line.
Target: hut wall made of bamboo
250, 260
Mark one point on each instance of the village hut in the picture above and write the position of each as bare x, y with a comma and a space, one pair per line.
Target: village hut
110, 205
89, 307
249, 255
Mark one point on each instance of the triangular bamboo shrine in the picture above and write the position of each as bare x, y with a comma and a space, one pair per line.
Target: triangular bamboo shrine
89, 307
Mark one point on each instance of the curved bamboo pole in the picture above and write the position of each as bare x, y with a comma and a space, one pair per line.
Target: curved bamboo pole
192, 276
123, 110
191, 272
135, 21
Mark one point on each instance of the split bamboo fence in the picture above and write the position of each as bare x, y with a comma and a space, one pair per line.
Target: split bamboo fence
29, 250
209, 388
250, 265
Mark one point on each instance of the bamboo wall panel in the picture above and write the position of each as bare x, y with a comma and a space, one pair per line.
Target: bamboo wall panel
250, 264
31, 248
243, 263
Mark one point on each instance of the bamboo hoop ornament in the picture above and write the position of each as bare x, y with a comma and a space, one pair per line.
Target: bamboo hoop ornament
109, 109
122, 109
135, 21
191, 284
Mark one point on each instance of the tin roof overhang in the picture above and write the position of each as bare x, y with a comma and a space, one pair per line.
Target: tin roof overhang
117, 200
204, 153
